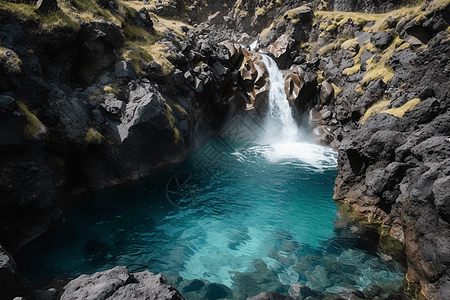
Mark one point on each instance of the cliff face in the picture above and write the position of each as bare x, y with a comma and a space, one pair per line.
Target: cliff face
110, 99
78, 115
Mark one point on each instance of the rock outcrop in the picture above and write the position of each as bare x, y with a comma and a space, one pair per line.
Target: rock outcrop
119, 283
11, 283
387, 120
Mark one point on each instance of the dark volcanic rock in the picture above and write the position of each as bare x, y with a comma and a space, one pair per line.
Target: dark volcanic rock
11, 284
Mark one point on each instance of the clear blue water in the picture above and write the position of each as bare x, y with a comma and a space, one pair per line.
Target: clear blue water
264, 202
251, 209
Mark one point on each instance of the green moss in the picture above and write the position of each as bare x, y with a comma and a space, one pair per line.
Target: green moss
390, 245
413, 288
323, 25
33, 125
93, 137
400, 111
374, 109
170, 117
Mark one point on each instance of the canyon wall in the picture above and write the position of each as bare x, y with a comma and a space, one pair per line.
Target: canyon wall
96, 103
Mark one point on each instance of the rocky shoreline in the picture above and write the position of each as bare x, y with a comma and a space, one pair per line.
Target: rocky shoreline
79, 112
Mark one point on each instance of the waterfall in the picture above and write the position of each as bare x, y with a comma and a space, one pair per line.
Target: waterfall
279, 124
282, 139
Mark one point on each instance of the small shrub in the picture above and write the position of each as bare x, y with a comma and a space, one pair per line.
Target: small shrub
33, 126
171, 118
93, 137
110, 89
10, 61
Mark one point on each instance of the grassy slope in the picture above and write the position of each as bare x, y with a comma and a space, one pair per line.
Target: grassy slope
141, 45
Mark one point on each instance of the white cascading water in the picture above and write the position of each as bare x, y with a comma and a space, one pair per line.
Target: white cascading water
279, 122
287, 141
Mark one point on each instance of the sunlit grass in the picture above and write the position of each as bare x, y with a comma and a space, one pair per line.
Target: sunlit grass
380, 69
400, 111
374, 109
291, 14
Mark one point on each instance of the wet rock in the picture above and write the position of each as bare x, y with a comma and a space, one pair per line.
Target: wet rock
323, 135
281, 50
214, 291
326, 93
314, 118
153, 71
302, 291
254, 80
7, 103
300, 86
191, 285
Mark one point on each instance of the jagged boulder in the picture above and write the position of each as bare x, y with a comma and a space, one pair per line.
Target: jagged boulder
281, 50
300, 86
119, 283
47, 6
98, 42
326, 93
254, 77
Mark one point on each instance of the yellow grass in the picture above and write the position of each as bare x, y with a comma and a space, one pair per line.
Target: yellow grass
93, 136
380, 69
337, 89
357, 66
171, 119
327, 49
400, 111
374, 109
33, 124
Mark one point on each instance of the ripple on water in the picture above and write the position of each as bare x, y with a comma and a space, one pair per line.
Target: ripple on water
265, 221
